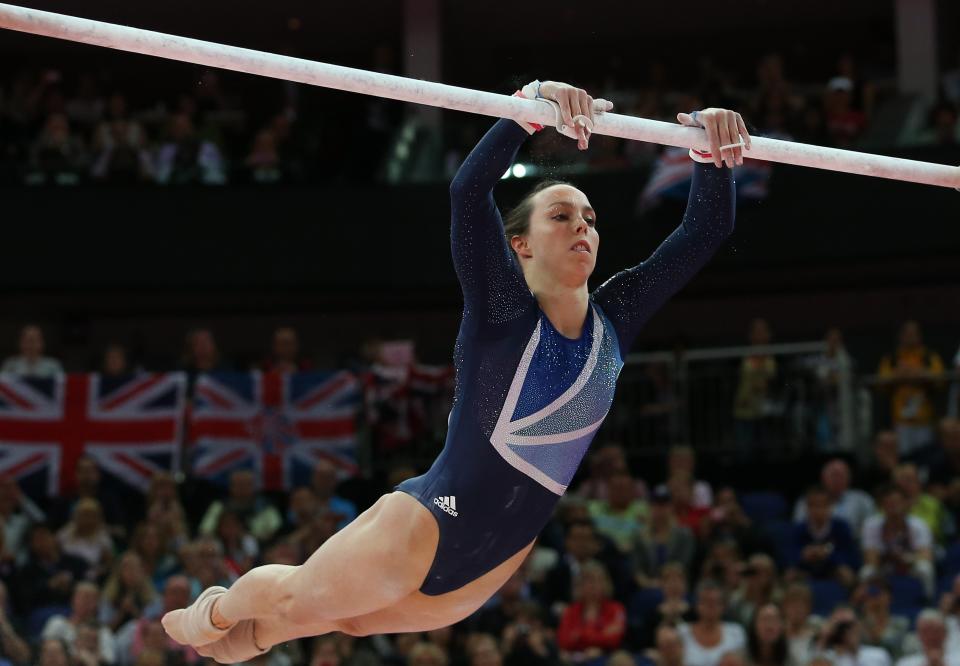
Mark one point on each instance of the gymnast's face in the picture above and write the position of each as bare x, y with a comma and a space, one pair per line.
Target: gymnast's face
562, 239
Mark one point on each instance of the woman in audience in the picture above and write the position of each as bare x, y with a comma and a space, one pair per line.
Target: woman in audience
709, 638
766, 642
594, 624
87, 536
880, 628
126, 593
801, 626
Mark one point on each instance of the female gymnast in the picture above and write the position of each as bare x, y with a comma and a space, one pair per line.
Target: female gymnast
537, 359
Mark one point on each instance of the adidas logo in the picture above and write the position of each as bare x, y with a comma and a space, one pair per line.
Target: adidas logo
448, 504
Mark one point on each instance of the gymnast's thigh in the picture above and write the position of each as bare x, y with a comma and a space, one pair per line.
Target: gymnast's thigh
423, 612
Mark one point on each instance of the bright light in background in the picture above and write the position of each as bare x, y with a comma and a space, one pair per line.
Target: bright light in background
519, 171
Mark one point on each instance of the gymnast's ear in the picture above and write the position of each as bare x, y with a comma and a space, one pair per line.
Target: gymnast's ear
521, 246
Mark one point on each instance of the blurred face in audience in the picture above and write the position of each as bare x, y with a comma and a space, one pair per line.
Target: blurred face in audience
620, 491
485, 653
303, 504
710, 605
203, 349
834, 340
759, 332
894, 505
910, 337
886, 448
286, 346
325, 652
769, 624
818, 508
836, 478
674, 582
43, 545
176, 593
31, 342
115, 361
131, 570
87, 517
908, 480
581, 542
243, 487
797, 606
87, 475
681, 460
876, 599
950, 435
669, 645
931, 633
52, 653
681, 490
85, 600
592, 586
324, 479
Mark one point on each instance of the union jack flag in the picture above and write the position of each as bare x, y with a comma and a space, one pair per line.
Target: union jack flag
130, 426
278, 425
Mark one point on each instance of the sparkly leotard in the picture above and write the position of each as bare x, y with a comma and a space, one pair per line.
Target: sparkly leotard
529, 400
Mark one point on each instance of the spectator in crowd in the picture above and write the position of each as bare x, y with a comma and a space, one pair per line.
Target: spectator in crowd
13, 648
911, 375
766, 641
115, 363
85, 108
205, 565
675, 608
260, 517
728, 522
200, 355
240, 548
581, 546
849, 504
680, 491
285, 353
801, 627
526, 641
934, 650
620, 517
53, 652
753, 400
758, 588
83, 610
157, 561
924, 506
896, 543
120, 153
840, 642
606, 461
886, 458
880, 627
709, 638
89, 485
86, 536
58, 156
31, 362
127, 592
263, 163
47, 578
834, 372
944, 463
663, 540
844, 123
166, 513
722, 564
186, 158
682, 460
17, 513
950, 608
323, 482
823, 546
594, 624
668, 648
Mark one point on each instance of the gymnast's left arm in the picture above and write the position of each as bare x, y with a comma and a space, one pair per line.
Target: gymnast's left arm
631, 296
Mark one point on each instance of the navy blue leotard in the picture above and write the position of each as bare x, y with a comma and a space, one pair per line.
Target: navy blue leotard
528, 400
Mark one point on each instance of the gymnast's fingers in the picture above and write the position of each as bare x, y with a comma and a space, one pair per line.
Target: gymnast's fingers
576, 110
737, 153
743, 132
711, 127
725, 138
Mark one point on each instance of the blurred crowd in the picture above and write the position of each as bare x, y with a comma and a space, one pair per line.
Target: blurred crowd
65, 128
670, 566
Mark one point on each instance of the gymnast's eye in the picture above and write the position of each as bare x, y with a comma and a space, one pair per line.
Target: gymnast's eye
561, 217
592, 222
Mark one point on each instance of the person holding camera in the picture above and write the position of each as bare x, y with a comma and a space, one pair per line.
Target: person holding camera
840, 642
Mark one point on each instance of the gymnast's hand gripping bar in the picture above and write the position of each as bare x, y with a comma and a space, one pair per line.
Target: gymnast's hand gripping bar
445, 96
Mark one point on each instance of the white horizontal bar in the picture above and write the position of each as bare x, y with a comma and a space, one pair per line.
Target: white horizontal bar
449, 97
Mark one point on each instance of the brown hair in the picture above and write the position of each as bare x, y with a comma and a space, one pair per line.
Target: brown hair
517, 221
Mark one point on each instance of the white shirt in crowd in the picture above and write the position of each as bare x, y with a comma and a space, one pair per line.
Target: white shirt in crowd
42, 368
920, 536
949, 659
60, 627
854, 506
733, 638
866, 656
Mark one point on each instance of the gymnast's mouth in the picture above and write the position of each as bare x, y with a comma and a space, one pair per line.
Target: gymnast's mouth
581, 246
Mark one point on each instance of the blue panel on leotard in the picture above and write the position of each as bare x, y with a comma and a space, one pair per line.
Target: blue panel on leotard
512, 364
